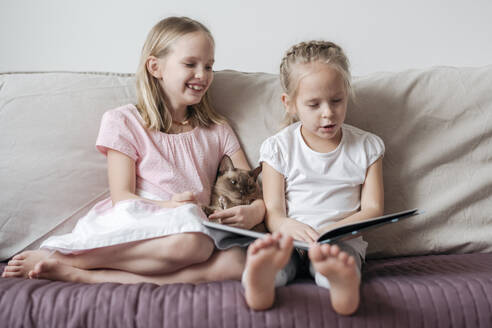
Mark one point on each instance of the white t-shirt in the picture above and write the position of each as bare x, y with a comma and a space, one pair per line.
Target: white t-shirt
322, 188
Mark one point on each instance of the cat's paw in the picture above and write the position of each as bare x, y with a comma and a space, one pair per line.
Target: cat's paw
207, 210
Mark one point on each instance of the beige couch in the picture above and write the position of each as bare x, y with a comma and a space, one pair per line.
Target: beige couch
436, 124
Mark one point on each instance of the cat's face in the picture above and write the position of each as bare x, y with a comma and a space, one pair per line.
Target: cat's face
238, 183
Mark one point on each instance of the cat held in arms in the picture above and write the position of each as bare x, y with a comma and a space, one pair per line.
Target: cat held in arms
234, 187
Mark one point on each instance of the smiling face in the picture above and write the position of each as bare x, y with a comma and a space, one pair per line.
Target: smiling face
185, 74
320, 104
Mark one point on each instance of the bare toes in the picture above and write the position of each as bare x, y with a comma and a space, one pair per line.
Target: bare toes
267, 241
325, 250
12, 269
21, 256
274, 239
334, 250
316, 253
342, 256
286, 242
277, 236
15, 263
7, 274
264, 242
253, 248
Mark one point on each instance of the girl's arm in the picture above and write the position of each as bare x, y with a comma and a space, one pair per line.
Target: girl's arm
122, 181
243, 216
372, 197
276, 217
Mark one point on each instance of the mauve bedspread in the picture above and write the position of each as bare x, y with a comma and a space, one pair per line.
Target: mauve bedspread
425, 291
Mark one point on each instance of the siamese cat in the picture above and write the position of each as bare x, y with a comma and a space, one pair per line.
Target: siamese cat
233, 187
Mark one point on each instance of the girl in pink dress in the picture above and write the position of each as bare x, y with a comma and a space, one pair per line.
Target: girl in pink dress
163, 156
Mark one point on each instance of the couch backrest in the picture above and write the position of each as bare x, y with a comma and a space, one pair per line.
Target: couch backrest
436, 124
437, 128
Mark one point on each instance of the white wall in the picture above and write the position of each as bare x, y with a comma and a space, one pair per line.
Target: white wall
100, 35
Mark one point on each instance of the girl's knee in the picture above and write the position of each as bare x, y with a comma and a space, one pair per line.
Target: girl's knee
193, 247
230, 264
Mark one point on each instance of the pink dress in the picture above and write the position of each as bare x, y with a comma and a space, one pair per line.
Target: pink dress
165, 164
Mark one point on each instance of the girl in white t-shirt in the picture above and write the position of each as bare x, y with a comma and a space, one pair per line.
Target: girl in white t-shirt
162, 155
318, 173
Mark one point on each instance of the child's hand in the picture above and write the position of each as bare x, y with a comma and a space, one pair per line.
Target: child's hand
186, 197
299, 231
238, 216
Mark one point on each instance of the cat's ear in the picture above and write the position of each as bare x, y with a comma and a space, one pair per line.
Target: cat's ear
226, 164
256, 172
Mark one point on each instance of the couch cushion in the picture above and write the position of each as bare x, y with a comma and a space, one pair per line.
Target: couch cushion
436, 125
50, 171
424, 291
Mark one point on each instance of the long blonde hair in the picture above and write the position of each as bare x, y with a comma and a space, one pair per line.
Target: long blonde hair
308, 52
150, 96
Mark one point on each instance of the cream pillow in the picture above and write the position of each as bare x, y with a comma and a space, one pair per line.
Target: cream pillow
437, 126
50, 171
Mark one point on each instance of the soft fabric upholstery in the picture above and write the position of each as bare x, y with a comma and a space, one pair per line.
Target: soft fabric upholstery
50, 171
436, 124
424, 291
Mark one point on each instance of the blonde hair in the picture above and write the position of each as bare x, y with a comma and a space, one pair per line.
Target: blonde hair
308, 52
150, 96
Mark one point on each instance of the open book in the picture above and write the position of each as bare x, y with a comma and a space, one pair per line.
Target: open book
347, 231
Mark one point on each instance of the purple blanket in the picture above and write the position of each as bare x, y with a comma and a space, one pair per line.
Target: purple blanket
424, 291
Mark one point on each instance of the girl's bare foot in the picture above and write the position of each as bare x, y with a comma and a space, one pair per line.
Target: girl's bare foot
265, 258
52, 269
342, 273
20, 265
